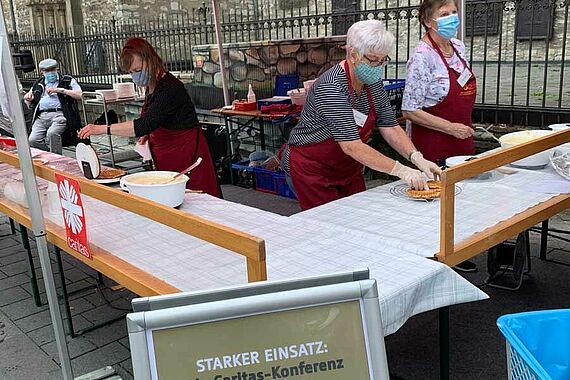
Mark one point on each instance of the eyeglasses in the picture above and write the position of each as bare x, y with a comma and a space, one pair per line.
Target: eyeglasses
378, 62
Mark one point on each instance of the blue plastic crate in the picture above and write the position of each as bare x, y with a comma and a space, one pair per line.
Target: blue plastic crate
243, 174
284, 83
282, 187
538, 344
264, 180
395, 90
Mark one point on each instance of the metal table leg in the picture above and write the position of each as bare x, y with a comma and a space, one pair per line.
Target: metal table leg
12, 226
261, 134
444, 343
32, 271
65, 295
66, 303
230, 150
544, 240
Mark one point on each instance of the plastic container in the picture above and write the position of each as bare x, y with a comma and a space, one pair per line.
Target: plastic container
266, 181
395, 90
273, 100
298, 96
538, 344
284, 83
538, 160
245, 106
559, 127
281, 186
308, 84
243, 174
8, 141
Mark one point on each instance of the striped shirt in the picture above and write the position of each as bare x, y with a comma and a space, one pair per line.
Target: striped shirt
328, 112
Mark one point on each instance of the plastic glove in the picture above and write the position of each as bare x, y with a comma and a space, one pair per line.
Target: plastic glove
412, 177
431, 170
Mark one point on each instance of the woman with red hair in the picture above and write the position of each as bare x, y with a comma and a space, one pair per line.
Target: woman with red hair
168, 118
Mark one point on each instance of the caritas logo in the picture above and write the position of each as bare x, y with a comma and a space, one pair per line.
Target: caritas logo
73, 214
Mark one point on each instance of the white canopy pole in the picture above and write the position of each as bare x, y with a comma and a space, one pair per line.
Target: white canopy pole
462, 20
219, 41
33, 196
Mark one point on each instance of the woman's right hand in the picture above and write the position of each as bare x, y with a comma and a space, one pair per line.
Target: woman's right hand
142, 140
460, 131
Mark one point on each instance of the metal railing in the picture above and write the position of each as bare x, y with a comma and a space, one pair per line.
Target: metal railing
517, 48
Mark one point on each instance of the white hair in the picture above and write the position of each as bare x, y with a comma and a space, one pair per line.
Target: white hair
370, 37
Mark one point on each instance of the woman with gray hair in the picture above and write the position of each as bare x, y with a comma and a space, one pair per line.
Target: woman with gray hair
327, 149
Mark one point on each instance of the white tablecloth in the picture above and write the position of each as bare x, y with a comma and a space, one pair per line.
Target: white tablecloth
407, 284
413, 226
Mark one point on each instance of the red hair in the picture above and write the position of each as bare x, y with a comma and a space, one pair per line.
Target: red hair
141, 47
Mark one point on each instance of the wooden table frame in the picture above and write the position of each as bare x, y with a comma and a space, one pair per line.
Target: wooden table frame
251, 247
450, 253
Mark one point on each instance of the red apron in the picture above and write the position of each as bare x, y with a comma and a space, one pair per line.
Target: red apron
322, 172
175, 150
457, 107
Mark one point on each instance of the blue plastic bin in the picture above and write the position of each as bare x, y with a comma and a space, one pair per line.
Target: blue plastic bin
538, 344
395, 90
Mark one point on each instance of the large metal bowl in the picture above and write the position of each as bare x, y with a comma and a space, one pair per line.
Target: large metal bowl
536, 161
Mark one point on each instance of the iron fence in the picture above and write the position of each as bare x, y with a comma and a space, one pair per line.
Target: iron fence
517, 48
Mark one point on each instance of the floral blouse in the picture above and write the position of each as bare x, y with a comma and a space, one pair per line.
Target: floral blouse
427, 80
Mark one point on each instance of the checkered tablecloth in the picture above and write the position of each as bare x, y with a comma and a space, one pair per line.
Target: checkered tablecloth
407, 284
413, 226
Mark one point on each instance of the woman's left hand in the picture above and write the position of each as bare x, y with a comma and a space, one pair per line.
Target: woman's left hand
430, 169
92, 129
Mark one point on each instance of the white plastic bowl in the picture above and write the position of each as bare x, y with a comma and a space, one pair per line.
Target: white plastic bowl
170, 194
536, 161
456, 160
298, 96
559, 127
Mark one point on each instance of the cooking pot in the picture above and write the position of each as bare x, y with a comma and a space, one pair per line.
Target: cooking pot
169, 194
536, 161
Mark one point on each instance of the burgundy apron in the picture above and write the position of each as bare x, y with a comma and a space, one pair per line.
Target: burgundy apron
322, 172
176, 149
456, 107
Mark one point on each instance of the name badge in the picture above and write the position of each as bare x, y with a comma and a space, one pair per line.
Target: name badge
464, 77
359, 118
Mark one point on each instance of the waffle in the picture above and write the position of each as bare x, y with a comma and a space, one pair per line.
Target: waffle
423, 194
109, 173
436, 185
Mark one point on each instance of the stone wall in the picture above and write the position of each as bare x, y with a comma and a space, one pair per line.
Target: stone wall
259, 63
23, 17
97, 12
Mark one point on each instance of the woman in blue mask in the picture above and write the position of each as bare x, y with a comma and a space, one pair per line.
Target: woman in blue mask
440, 89
168, 120
327, 149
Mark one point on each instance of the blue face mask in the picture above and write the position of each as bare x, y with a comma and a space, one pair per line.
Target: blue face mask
447, 26
368, 74
51, 77
141, 78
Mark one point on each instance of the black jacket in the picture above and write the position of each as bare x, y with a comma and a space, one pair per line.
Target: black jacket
68, 104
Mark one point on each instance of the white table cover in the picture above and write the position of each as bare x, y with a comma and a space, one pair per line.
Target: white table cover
407, 284
413, 226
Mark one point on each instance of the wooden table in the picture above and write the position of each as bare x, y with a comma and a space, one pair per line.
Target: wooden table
120, 271
232, 117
